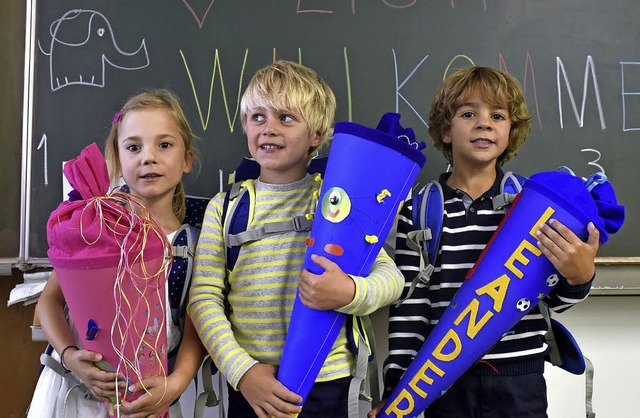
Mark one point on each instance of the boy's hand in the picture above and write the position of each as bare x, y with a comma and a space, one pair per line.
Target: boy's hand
266, 395
332, 289
375, 411
100, 383
573, 257
155, 401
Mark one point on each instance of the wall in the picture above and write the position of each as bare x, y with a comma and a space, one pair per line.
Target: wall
20, 356
608, 331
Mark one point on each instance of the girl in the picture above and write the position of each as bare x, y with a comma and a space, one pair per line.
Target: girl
150, 146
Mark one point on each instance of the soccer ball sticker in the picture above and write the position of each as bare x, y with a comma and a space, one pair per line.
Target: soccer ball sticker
552, 280
523, 304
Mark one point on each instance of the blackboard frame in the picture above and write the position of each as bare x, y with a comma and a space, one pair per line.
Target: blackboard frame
403, 101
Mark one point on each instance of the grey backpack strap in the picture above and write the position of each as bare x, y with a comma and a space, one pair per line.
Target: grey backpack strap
509, 189
208, 396
75, 384
502, 200
589, 388
187, 252
48, 361
372, 367
298, 224
556, 360
549, 337
355, 387
414, 241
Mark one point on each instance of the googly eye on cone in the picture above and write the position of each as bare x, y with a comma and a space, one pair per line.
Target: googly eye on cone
369, 173
508, 280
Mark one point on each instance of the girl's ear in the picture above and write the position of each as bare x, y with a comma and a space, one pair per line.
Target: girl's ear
188, 162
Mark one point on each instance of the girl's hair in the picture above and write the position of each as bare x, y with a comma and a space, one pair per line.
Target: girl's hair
154, 99
285, 85
497, 88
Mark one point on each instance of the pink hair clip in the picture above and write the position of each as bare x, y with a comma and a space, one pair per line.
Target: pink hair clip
117, 116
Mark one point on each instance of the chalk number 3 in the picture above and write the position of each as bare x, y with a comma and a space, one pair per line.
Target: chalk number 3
594, 163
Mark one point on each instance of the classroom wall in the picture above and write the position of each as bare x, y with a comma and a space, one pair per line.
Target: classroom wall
20, 355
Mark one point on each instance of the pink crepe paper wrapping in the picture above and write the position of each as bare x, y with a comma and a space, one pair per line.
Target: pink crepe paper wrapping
111, 259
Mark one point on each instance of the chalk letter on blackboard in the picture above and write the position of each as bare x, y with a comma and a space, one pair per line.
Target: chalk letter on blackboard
199, 21
78, 54
216, 65
298, 10
400, 85
528, 65
626, 93
579, 118
402, 6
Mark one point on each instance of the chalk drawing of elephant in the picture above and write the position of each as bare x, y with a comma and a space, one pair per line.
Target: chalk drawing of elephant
82, 43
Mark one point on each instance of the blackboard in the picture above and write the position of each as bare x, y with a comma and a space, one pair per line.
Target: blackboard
579, 62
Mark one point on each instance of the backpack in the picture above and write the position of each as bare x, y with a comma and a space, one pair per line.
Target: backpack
427, 217
428, 214
237, 214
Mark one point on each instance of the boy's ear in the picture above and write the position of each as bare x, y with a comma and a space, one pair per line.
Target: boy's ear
446, 138
317, 139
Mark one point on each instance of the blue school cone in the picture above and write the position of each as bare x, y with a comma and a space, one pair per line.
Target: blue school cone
508, 280
369, 174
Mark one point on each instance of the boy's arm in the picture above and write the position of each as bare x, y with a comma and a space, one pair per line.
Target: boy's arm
380, 288
574, 260
51, 314
206, 305
355, 295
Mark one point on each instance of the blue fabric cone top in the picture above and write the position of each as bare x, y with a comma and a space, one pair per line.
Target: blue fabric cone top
593, 200
388, 133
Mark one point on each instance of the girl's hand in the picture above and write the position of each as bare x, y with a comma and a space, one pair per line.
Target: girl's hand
159, 395
100, 383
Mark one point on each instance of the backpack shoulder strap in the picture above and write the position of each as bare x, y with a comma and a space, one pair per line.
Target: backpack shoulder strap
556, 332
208, 397
428, 214
241, 233
237, 213
187, 252
362, 343
510, 186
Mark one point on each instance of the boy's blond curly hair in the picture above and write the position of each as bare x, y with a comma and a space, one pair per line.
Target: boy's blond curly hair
497, 88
